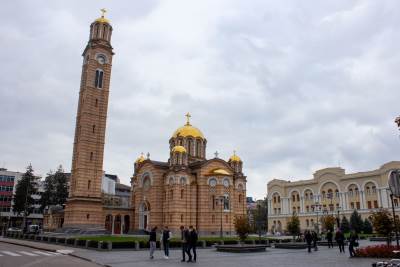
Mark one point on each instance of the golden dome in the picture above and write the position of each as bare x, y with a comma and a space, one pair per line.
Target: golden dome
102, 19
235, 157
140, 159
179, 149
220, 171
188, 130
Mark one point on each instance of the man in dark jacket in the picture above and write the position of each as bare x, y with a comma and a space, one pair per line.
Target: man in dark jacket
193, 237
314, 239
339, 237
153, 241
308, 238
185, 244
329, 237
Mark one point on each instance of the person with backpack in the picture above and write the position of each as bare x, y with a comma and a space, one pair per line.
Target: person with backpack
165, 238
308, 237
185, 244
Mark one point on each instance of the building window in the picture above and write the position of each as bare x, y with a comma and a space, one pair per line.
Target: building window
375, 204
96, 103
226, 219
226, 202
352, 205
293, 198
93, 128
98, 82
369, 204
307, 222
358, 205
240, 199
171, 194
88, 184
181, 218
91, 156
213, 202
182, 193
396, 202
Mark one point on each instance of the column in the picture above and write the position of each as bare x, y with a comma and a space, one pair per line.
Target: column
385, 198
122, 226
302, 204
112, 225
379, 197
362, 199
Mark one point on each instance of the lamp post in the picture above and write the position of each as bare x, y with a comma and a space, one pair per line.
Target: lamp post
338, 217
317, 206
220, 201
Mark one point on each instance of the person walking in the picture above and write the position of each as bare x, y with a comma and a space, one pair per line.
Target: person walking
353, 242
329, 237
153, 241
184, 241
314, 239
193, 237
165, 238
308, 237
339, 237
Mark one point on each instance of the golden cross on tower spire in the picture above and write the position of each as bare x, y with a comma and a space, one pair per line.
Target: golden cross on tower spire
188, 118
103, 11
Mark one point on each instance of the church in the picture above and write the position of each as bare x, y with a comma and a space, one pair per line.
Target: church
187, 189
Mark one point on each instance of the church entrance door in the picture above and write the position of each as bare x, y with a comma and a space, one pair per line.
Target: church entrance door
144, 215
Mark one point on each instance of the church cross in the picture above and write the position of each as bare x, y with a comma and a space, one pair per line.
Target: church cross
216, 154
103, 11
188, 118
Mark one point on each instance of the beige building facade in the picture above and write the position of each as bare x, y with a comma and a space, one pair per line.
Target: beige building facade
331, 191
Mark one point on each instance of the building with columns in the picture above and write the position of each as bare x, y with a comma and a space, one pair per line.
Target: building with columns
189, 189
330, 191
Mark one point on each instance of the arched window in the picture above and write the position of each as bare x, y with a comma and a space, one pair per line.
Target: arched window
96, 103
274, 199
240, 198
182, 193
293, 198
171, 194
198, 148
298, 197
226, 202
98, 81
306, 196
93, 128
307, 222
91, 155
88, 184
213, 202
181, 218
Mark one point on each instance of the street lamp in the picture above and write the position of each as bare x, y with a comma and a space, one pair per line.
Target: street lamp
338, 217
220, 201
317, 207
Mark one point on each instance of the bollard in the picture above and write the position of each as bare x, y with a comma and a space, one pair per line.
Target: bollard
75, 242
222, 242
86, 243
137, 245
100, 245
203, 244
253, 242
109, 245
66, 241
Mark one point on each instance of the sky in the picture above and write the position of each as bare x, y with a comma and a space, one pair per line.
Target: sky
292, 86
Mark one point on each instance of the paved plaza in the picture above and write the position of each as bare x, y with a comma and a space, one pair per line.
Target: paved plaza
206, 257
211, 258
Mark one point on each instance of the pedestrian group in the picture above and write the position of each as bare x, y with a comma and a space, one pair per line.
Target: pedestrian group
188, 241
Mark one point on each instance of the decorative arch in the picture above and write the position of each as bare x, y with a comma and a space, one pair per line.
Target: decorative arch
294, 189
328, 181
370, 181
145, 175
352, 183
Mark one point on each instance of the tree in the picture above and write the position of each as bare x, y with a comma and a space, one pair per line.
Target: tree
26, 187
356, 222
382, 222
261, 216
55, 189
293, 226
328, 223
61, 187
242, 227
48, 194
345, 225
367, 228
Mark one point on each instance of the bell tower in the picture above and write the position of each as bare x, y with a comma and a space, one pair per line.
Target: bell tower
84, 208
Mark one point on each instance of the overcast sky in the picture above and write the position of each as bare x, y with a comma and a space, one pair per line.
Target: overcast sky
293, 86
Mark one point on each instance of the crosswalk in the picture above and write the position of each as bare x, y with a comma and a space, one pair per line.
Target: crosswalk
33, 253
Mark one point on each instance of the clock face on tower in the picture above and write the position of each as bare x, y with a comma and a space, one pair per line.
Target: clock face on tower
101, 59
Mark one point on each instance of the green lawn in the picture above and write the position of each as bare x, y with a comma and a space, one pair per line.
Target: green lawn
106, 238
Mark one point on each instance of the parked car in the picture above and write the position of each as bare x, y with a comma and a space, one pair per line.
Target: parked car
14, 230
33, 229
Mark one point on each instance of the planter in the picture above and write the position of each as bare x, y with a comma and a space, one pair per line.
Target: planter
291, 245
243, 248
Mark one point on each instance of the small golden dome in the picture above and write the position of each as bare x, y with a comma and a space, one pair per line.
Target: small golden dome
235, 157
220, 171
179, 149
102, 19
140, 159
188, 130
